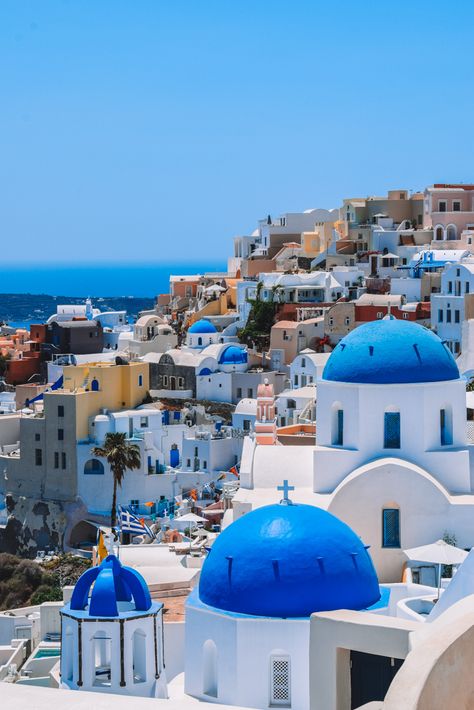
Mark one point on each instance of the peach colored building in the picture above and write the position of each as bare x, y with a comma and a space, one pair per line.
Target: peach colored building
449, 210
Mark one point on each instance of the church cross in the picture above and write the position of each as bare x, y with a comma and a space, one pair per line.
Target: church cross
286, 488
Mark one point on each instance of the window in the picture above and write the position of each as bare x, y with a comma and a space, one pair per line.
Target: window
102, 657
188, 463
56, 459
442, 206
347, 320
451, 232
93, 467
246, 424
38, 457
445, 427
204, 464
440, 315
140, 380
60, 410
139, 656
63, 460
37, 437
391, 527
450, 286
296, 380
338, 426
303, 362
209, 669
280, 681
456, 205
181, 382
196, 451
379, 314
439, 233
165, 380
405, 315
391, 436
239, 392
60, 434
456, 316
143, 422
458, 272
467, 287
331, 321
250, 393
448, 316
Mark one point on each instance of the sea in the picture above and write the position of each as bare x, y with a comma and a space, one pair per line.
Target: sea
132, 280
98, 280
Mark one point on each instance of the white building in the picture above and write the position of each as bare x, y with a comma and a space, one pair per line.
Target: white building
151, 333
307, 368
392, 458
447, 307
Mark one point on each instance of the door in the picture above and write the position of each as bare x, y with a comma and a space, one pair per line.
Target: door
371, 676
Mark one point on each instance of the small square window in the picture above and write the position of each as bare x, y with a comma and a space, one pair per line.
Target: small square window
456, 205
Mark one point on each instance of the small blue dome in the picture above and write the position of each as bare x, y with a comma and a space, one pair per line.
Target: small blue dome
288, 561
233, 355
390, 351
113, 583
202, 326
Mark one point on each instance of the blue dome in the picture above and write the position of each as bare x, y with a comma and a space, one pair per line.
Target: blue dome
202, 326
390, 351
113, 583
233, 355
288, 561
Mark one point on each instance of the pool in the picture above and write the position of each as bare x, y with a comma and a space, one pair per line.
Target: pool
47, 652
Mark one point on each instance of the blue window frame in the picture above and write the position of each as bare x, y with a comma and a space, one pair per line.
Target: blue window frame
339, 428
391, 434
390, 527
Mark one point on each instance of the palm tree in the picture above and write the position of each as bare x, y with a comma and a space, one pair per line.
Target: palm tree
121, 457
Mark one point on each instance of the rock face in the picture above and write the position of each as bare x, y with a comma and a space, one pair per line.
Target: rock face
34, 525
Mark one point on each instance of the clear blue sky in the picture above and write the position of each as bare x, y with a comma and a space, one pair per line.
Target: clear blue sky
157, 130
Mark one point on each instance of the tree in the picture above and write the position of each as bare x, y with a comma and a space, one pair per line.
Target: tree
121, 457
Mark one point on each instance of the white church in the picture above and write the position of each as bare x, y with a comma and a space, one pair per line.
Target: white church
391, 457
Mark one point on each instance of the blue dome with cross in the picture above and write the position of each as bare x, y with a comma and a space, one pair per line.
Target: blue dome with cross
391, 351
110, 590
288, 560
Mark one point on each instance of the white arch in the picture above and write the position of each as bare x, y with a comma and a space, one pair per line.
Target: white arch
451, 232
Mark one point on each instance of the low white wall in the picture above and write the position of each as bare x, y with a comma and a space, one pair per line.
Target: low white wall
174, 648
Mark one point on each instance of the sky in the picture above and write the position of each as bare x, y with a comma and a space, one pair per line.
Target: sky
156, 130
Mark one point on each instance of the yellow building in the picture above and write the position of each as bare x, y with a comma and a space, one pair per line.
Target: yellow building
104, 386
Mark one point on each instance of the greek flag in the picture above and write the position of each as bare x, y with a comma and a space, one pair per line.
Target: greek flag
129, 523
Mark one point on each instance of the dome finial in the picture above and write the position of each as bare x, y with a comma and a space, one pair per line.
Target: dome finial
286, 488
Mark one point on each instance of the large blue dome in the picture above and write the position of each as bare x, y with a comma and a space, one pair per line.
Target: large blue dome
202, 326
390, 351
233, 355
288, 561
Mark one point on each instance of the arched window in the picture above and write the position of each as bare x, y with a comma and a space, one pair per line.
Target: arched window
446, 426
391, 526
337, 428
280, 680
102, 658
391, 430
139, 656
209, 669
439, 233
451, 232
95, 385
199, 341
67, 655
94, 467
